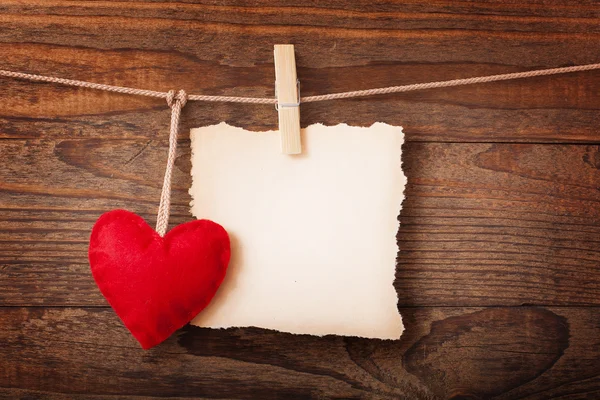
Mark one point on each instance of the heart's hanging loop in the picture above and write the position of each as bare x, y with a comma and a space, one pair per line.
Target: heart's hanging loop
176, 101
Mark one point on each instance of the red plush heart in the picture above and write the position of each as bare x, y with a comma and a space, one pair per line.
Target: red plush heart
157, 284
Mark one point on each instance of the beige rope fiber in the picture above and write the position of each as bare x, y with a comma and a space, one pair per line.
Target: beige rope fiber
177, 101
454, 82
308, 99
128, 90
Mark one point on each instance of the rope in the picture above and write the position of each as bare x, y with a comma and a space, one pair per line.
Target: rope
454, 82
128, 90
307, 99
176, 101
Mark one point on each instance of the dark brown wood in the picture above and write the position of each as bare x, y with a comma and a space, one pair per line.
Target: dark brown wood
226, 48
500, 224
498, 279
507, 352
482, 224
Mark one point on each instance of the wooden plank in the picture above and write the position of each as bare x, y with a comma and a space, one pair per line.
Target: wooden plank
482, 224
503, 224
504, 353
226, 49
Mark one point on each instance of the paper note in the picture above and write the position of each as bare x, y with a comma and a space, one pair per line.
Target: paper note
313, 235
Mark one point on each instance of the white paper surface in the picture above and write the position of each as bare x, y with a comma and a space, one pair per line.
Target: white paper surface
313, 236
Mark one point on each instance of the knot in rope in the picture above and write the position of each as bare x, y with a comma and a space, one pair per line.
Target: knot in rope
180, 97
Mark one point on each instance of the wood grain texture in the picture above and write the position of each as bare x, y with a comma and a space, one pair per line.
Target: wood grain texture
498, 280
526, 353
482, 224
225, 47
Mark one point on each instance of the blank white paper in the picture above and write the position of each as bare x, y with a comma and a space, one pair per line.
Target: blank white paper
313, 235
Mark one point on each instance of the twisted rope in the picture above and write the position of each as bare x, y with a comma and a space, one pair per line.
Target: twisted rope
176, 102
307, 99
134, 91
453, 82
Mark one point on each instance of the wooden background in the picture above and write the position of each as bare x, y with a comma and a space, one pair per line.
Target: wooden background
498, 277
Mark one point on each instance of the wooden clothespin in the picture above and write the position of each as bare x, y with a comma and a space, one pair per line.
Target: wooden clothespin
288, 98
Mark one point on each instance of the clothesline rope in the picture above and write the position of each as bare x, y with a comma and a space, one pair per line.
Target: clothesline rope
307, 99
177, 100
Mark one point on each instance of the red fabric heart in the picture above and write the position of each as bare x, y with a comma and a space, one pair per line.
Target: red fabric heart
157, 284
